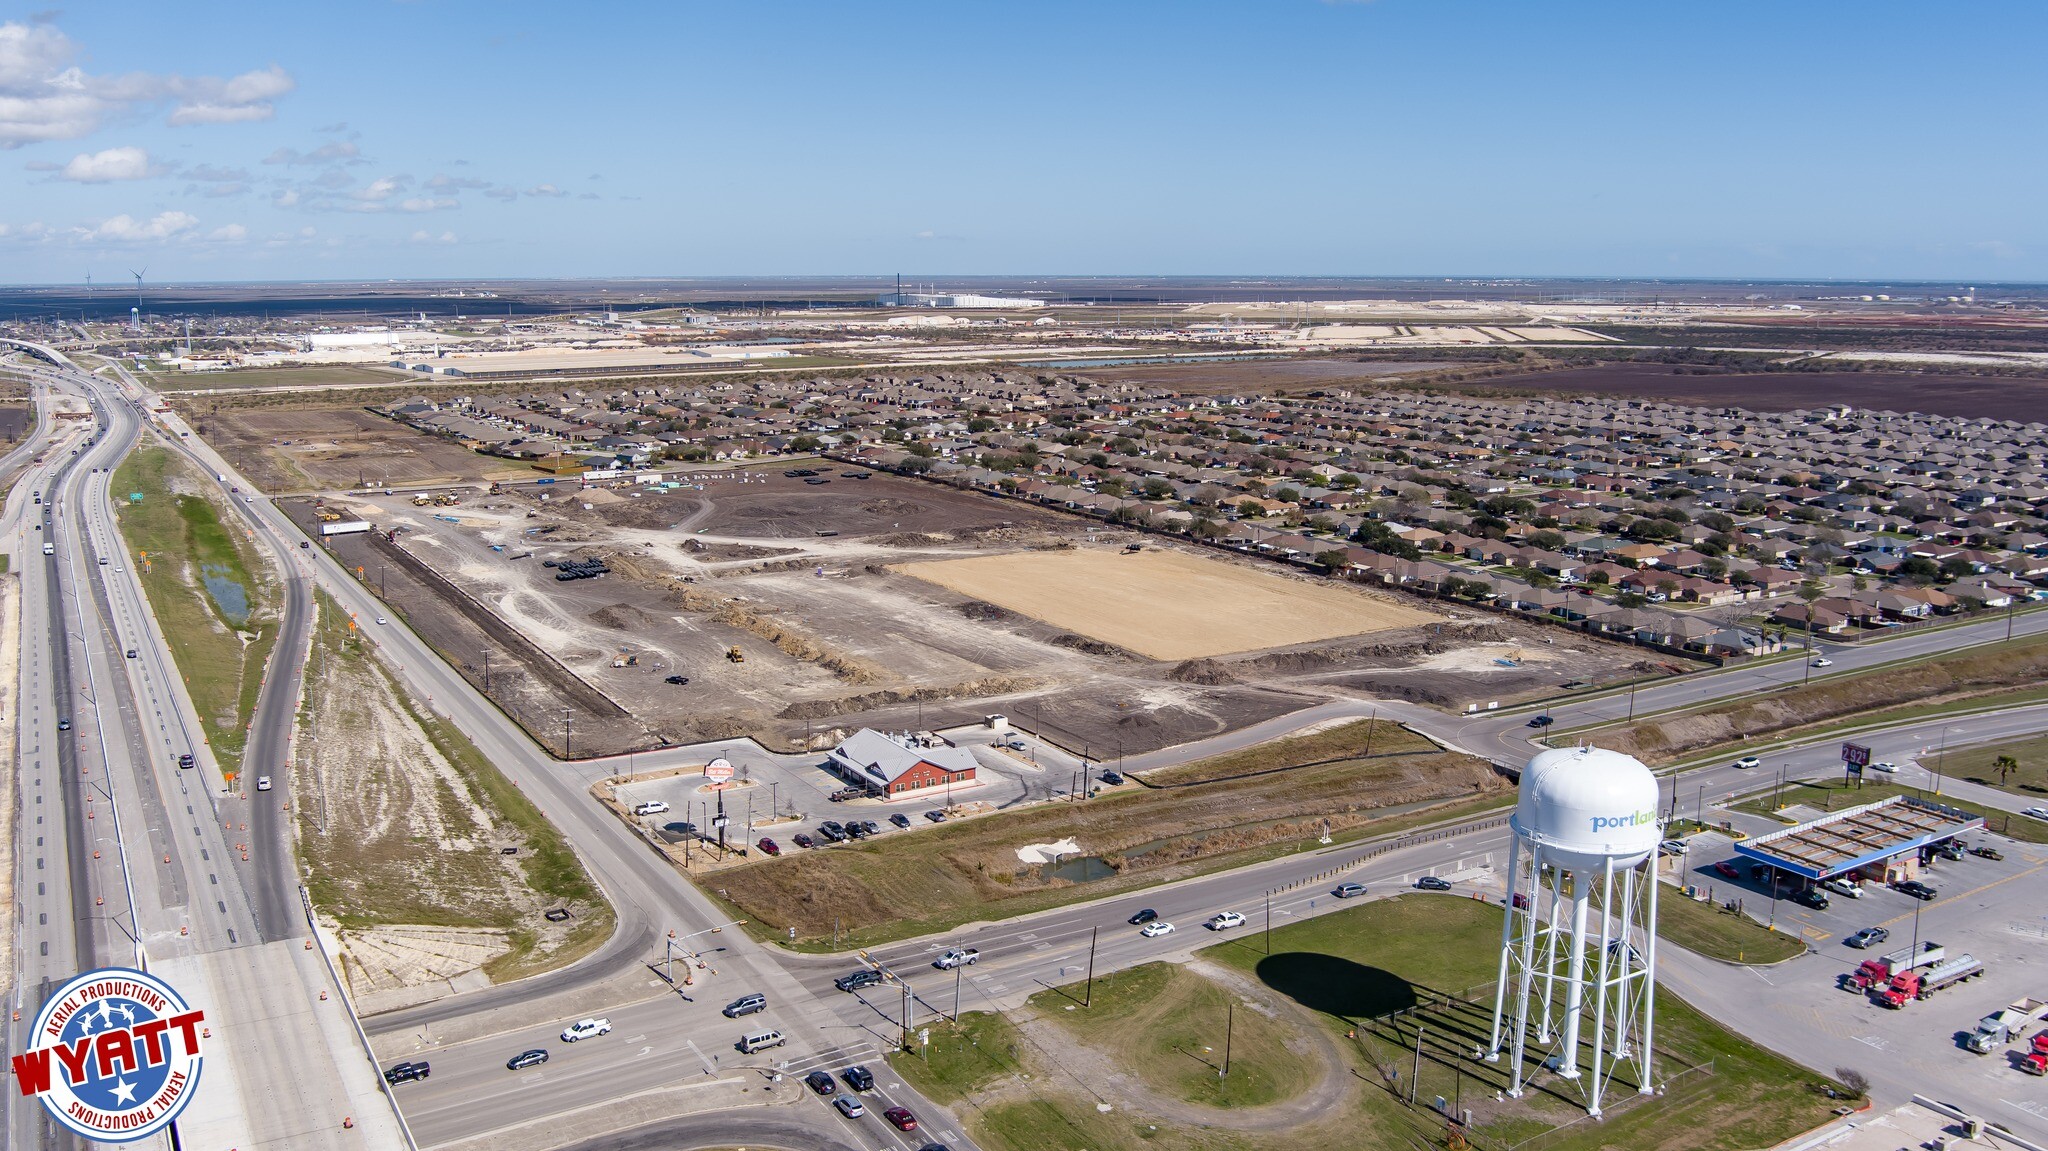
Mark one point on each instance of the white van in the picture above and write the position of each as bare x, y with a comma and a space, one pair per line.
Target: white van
761, 1041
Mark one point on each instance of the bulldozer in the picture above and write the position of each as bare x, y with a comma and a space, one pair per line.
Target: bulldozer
733, 654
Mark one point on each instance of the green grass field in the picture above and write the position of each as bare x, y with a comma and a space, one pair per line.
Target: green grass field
1166, 1025
2029, 776
179, 542
1725, 935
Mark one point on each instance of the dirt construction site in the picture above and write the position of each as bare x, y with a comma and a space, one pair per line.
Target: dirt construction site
799, 611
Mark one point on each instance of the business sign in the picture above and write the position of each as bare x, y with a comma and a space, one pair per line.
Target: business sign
718, 770
1856, 755
114, 1055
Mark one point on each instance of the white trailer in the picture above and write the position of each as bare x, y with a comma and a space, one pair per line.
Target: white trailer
344, 528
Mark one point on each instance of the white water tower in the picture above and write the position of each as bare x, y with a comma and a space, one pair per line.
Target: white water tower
1586, 834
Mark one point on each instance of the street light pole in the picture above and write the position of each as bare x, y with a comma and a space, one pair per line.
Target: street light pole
566, 714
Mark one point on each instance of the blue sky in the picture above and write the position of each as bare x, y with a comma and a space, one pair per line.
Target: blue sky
1397, 137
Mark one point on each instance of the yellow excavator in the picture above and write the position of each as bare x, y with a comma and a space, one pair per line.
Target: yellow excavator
735, 655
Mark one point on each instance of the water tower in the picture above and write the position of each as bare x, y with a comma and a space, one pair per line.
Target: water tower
1581, 920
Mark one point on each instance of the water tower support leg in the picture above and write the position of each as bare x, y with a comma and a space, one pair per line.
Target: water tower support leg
1507, 943
1575, 982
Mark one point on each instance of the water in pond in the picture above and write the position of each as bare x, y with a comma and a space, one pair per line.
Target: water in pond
229, 596
1078, 869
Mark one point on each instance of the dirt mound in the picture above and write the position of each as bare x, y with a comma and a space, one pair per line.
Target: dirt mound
1203, 671
986, 612
624, 617
1082, 643
912, 540
967, 689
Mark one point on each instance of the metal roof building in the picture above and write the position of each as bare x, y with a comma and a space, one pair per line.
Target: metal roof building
1847, 840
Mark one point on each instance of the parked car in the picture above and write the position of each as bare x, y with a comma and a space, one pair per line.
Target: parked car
1432, 883
1916, 889
859, 1078
1749, 761
1868, 937
849, 1107
957, 957
1840, 886
1983, 852
1144, 915
857, 831
1349, 890
1155, 929
1812, 897
1112, 778
407, 1072
533, 1057
678, 680
651, 807
746, 1005
855, 980
901, 1118
900, 820
769, 846
1224, 921
586, 1029
803, 840
1727, 868
821, 1082
935, 815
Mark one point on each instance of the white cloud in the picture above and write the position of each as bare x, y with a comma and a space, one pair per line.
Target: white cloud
126, 229
427, 204
503, 193
425, 237
212, 174
445, 183
109, 165
545, 190
229, 234
331, 152
45, 96
286, 198
382, 189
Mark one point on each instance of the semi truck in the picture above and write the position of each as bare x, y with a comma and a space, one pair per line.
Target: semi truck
2003, 1026
344, 528
1874, 973
1923, 982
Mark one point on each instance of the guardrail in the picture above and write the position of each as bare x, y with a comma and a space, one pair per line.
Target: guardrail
348, 1004
1396, 844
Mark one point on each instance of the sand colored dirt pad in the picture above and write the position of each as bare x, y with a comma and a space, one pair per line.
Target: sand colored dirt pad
1166, 604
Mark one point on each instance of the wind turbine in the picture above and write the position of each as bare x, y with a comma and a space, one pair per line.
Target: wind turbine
138, 295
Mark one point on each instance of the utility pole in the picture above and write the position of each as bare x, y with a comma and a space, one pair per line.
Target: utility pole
566, 714
1415, 1076
1229, 1025
1088, 997
957, 969
487, 671
1269, 923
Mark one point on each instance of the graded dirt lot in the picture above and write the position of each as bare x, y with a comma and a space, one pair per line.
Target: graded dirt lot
1944, 395
1168, 604
306, 377
801, 579
327, 449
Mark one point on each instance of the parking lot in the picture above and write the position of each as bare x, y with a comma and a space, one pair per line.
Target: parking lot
1990, 909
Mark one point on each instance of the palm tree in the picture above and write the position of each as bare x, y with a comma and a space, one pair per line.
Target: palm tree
2005, 765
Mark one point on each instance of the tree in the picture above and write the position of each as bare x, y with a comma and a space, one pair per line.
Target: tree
1288, 495
1631, 599
2004, 765
1332, 561
804, 444
1919, 569
1853, 1081
1157, 489
1250, 510
980, 424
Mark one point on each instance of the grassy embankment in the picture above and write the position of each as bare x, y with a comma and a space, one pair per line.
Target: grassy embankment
180, 542
2028, 777
1351, 968
1992, 675
402, 820
274, 378
968, 870
1717, 933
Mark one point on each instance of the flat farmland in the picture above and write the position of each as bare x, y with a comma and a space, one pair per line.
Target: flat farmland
306, 377
1992, 397
323, 449
1167, 605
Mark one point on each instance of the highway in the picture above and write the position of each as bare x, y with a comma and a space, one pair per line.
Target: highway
665, 1036
151, 866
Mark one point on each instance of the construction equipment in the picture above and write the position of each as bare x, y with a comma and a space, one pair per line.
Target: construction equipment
623, 659
733, 654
